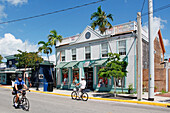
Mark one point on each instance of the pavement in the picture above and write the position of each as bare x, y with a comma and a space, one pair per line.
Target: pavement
50, 103
159, 100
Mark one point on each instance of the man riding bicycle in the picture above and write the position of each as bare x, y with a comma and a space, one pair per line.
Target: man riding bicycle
19, 84
82, 85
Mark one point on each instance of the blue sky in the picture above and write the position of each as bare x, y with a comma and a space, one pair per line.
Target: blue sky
66, 23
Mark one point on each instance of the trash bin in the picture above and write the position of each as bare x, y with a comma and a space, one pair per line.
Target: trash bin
50, 87
45, 86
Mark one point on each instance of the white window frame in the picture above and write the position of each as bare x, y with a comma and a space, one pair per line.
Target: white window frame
122, 47
102, 50
73, 54
63, 55
88, 52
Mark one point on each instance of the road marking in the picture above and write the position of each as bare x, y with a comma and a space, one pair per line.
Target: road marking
106, 99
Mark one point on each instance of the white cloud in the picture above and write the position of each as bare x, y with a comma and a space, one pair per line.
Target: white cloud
166, 42
51, 57
16, 2
2, 13
157, 24
9, 45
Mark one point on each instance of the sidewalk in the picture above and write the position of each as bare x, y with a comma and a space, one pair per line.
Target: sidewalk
129, 98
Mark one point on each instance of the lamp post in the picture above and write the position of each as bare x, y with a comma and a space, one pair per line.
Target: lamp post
37, 71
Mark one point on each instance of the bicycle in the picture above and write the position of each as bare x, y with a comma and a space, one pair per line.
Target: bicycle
74, 95
22, 100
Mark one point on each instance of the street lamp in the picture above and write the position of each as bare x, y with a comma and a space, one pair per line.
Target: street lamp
37, 71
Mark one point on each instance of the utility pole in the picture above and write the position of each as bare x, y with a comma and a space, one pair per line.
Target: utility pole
140, 55
151, 51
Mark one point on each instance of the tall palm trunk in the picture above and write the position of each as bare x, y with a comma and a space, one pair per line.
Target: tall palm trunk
114, 87
50, 67
108, 42
122, 83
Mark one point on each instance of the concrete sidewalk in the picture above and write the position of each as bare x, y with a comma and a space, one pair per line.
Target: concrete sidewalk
129, 98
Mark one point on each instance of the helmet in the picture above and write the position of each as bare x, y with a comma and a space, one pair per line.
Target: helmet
82, 77
19, 76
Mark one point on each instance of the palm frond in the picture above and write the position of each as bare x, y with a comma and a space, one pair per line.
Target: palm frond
41, 42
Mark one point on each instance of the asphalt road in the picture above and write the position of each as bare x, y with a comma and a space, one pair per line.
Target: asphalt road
45, 103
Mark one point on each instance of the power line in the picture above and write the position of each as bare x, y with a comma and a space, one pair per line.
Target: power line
143, 6
62, 10
158, 9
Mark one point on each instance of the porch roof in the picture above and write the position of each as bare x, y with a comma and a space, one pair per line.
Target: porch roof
99, 62
71, 64
61, 65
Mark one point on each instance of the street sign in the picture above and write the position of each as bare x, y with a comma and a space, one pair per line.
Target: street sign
41, 76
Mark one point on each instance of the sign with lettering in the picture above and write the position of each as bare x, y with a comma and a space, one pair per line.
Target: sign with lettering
124, 28
41, 76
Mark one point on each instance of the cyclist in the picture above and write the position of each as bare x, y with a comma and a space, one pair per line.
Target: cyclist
82, 85
19, 84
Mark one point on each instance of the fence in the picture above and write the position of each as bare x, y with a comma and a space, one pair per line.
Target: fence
160, 79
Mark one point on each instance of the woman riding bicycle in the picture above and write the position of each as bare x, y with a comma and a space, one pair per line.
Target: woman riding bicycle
19, 84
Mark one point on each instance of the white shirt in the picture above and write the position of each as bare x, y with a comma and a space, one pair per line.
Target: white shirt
83, 84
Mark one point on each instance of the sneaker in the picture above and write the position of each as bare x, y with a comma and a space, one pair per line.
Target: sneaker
15, 105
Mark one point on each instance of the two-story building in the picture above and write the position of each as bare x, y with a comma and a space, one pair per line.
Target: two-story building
84, 54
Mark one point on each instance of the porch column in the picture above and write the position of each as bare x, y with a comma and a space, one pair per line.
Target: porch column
94, 76
70, 77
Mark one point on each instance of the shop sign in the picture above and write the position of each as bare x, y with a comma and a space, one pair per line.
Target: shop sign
86, 64
124, 28
73, 38
41, 76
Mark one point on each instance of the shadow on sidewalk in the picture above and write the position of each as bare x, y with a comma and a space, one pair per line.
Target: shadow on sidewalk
111, 96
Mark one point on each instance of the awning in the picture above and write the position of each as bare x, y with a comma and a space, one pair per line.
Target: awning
71, 64
61, 65
86, 64
99, 62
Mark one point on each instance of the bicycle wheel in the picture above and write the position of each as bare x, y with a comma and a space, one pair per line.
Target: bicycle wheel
84, 96
14, 98
25, 104
74, 95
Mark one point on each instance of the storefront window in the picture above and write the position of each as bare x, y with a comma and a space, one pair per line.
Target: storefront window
62, 55
75, 76
120, 82
73, 54
104, 50
102, 81
122, 47
87, 53
65, 76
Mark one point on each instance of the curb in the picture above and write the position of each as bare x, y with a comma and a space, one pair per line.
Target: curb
106, 99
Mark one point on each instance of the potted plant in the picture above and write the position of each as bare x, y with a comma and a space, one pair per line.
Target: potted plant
155, 89
130, 88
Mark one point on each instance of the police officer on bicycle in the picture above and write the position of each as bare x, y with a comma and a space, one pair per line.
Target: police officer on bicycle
19, 84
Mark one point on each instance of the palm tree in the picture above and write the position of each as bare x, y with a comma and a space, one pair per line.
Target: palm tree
101, 20
46, 49
53, 37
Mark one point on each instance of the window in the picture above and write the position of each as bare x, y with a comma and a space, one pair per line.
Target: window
73, 54
104, 50
87, 53
122, 47
63, 56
